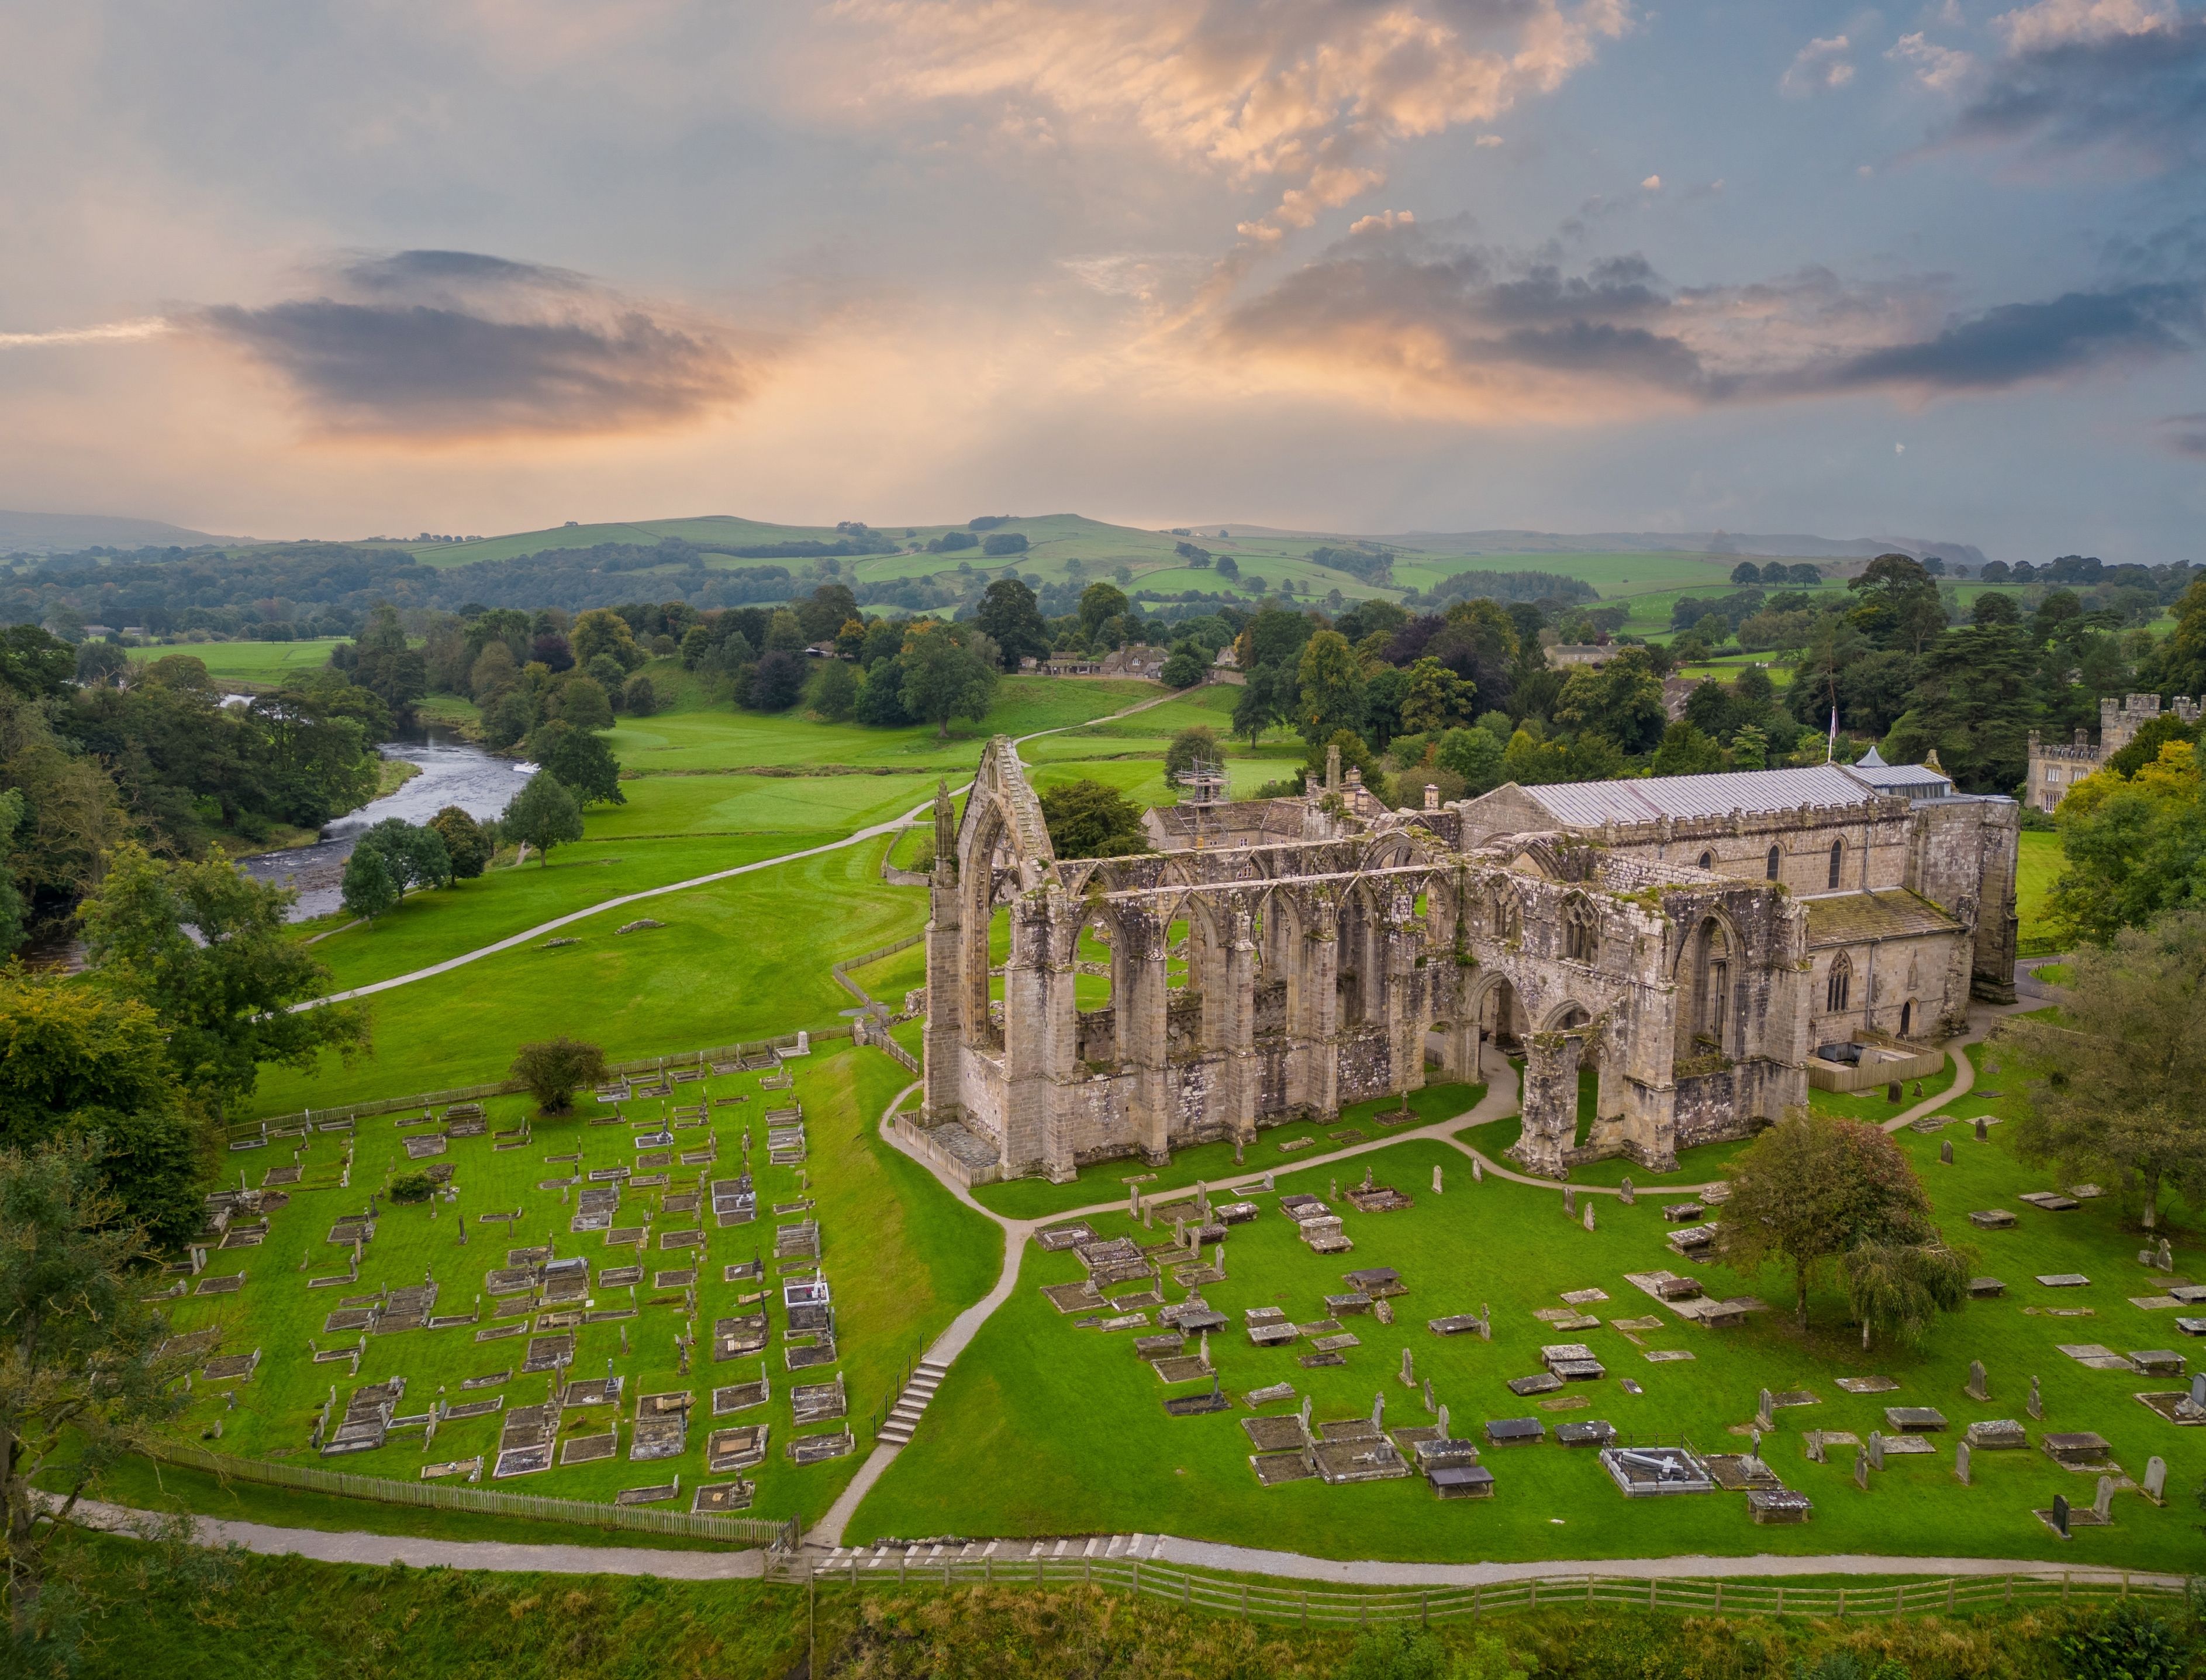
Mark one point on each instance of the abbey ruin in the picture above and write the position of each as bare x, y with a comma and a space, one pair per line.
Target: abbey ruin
1695, 940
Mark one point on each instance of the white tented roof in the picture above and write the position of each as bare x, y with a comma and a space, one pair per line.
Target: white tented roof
1589, 804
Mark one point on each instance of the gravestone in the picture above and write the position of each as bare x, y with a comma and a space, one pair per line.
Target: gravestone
1861, 1470
2155, 1487
1570, 1202
1979, 1386
1812, 1442
1961, 1455
2102, 1507
1379, 1411
1891, 1092
1945, 1152
2035, 1406
1875, 1450
1624, 1194
1984, 1132
1764, 1411
2060, 1515
1588, 1213
1443, 1422
1428, 1394
1436, 1178
1408, 1380
1306, 1413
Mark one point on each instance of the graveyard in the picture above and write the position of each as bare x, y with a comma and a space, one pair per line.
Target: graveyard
1607, 1392
697, 1292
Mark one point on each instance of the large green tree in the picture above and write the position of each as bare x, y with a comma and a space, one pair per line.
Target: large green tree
1813, 1189
582, 761
1329, 687
1009, 617
1621, 700
81, 1378
1087, 818
383, 665
543, 814
204, 947
2118, 1086
947, 673
1975, 701
2132, 847
1897, 603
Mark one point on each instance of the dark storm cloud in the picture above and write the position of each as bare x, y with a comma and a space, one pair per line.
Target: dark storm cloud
451, 343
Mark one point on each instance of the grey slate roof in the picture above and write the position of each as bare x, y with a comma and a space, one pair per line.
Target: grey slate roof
1589, 804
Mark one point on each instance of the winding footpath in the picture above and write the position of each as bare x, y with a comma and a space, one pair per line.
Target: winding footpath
872, 831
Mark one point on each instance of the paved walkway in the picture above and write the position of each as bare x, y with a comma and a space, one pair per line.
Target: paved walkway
873, 831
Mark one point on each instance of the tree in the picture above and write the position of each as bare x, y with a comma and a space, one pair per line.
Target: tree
1256, 707
834, 689
1099, 602
1188, 666
1009, 617
1686, 751
581, 761
947, 674
414, 853
1746, 572
368, 889
584, 704
1622, 700
469, 846
1897, 603
386, 666
77, 1063
81, 1378
1228, 566
224, 991
1474, 755
1975, 701
639, 696
2132, 849
1198, 742
601, 632
1437, 698
1812, 1188
101, 662
2118, 1079
543, 814
1329, 687
825, 611
553, 1069
1899, 1288
1749, 749
778, 681
1086, 818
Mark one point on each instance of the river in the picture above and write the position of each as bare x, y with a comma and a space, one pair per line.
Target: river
454, 772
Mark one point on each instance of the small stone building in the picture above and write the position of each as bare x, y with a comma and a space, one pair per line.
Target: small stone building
1665, 954
2054, 770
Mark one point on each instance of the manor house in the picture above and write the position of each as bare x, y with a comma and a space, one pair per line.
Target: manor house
2054, 770
1679, 949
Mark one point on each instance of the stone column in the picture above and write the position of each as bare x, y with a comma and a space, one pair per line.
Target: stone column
1237, 1028
942, 1047
1406, 1009
1060, 1042
1317, 1033
1027, 1023
1551, 1103
1139, 995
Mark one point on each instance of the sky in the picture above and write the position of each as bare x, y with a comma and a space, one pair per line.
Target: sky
1365, 266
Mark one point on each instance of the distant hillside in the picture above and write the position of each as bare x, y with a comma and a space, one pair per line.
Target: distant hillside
1745, 545
65, 533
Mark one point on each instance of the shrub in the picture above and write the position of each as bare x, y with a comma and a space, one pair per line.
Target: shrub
411, 1187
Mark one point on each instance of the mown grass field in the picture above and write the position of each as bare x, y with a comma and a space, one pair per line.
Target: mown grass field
1083, 1420
251, 661
902, 1255
2036, 866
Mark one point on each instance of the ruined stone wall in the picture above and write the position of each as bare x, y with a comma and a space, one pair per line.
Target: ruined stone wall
1962, 856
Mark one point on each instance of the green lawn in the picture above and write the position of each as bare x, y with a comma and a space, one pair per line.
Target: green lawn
1082, 1419
903, 1255
250, 661
2039, 862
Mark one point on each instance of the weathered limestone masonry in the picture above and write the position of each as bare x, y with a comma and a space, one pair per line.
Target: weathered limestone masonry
2054, 770
1671, 945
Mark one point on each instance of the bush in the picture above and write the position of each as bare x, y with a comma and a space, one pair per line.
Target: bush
555, 1069
2128, 1642
411, 1187
639, 699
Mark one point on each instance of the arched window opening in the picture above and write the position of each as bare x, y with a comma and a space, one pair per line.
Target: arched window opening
1708, 859
1837, 861
1906, 1018
1839, 989
1581, 932
1775, 857
1711, 984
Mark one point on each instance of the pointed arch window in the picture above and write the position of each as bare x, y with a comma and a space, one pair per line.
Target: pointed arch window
1776, 857
1837, 862
1708, 859
1711, 983
1581, 932
1838, 990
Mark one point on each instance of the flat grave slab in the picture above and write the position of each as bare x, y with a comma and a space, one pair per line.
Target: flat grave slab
1914, 1420
1546, 1383
1314, 1362
1986, 1289
1866, 1384
736, 1448
2051, 1200
229, 1285
586, 1448
1998, 1434
657, 1494
548, 1352
741, 1396
1992, 1218
1274, 1468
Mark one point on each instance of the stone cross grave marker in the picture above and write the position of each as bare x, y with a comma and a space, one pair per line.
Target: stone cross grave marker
1979, 1386
1306, 1413
1379, 1411
1961, 1463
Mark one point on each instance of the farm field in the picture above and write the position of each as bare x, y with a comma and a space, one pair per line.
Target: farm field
901, 1256
251, 661
1079, 1420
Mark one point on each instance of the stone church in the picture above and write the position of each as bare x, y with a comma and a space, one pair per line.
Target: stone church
2055, 769
1666, 954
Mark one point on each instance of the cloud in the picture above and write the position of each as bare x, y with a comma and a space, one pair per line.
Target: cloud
1481, 333
2185, 434
1304, 93
1821, 67
2088, 82
1652, 184
1937, 68
444, 343
110, 332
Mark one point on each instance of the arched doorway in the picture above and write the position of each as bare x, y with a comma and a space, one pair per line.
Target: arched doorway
1907, 1017
1573, 1018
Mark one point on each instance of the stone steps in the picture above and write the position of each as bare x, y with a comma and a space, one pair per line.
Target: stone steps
911, 1404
